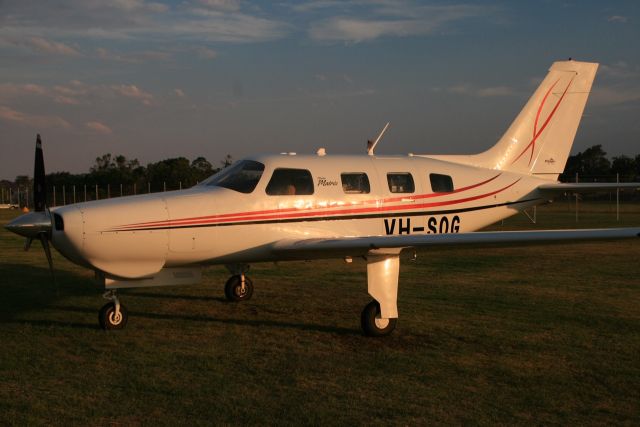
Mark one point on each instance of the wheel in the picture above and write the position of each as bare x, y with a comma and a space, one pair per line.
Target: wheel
109, 320
234, 291
372, 324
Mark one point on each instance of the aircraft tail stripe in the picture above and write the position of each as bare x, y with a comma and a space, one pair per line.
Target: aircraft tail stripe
532, 143
287, 210
301, 215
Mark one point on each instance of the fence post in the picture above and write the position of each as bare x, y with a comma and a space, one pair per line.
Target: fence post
164, 185
108, 191
74, 194
26, 192
576, 198
120, 189
64, 196
618, 198
97, 197
148, 186
134, 189
181, 185
85, 192
54, 195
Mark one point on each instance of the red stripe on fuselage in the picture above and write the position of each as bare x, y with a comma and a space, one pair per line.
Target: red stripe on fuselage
244, 215
302, 215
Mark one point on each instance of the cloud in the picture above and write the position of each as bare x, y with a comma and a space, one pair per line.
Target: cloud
75, 93
618, 83
225, 5
39, 45
132, 58
132, 91
206, 53
400, 19
33, 120
99, 128
135, 20
604, 96
618, 19
51, 47
485, 92
494, 91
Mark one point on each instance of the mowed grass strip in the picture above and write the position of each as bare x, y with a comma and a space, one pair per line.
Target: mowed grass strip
509, 335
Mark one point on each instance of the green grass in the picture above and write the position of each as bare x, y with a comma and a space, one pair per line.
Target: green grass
544, 334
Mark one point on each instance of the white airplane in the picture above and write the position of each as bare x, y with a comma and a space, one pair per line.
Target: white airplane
299, 207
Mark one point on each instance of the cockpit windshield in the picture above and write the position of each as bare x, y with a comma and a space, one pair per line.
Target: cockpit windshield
242, 176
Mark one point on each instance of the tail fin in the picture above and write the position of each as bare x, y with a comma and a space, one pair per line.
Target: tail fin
539, 140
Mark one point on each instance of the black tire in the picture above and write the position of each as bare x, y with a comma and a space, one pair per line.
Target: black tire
107, 318
233, 289
371, 323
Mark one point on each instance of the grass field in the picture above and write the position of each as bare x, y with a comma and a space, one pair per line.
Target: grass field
544, 334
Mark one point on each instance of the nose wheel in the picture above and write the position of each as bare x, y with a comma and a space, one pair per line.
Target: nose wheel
113, 315
238, 288
372, 324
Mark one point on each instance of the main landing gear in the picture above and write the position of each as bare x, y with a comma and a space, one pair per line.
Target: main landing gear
372, 324
113, 315
238, 288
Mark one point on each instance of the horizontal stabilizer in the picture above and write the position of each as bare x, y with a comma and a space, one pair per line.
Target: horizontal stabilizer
588, 187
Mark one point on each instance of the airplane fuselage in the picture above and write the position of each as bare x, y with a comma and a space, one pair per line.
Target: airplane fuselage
339, 196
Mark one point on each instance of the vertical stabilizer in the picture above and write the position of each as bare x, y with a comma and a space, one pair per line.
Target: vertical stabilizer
539, 140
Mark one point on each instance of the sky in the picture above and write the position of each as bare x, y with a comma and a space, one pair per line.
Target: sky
158, 79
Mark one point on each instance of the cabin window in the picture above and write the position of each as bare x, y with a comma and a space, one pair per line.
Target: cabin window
290, 182
355, 183
242, 176
400, 182
441, 183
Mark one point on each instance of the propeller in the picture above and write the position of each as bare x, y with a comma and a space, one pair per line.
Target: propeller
36, 224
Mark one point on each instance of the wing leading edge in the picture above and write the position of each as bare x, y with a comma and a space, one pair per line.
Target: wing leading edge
360, 246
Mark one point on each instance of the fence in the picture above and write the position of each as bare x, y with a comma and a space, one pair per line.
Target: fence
22, 195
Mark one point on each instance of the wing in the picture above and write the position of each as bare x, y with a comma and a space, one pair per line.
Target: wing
359, 246
587, 187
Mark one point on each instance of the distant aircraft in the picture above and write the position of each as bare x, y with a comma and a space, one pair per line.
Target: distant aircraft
299, 207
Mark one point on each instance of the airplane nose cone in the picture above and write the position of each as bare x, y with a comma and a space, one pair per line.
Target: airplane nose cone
31, 224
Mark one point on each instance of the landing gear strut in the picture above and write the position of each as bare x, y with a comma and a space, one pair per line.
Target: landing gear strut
372, 324
113, 315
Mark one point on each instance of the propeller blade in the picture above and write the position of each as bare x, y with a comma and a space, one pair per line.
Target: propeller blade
39, 189
47, 250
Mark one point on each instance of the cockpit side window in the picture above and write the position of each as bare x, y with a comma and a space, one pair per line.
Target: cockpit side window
441, 183
400, 182
242, 176
290, 182
355, 183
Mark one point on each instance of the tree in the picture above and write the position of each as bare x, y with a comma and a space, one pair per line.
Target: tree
103, 162
625, 167
595, 163
202, 168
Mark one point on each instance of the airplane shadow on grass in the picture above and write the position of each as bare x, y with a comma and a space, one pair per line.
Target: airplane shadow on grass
30, 289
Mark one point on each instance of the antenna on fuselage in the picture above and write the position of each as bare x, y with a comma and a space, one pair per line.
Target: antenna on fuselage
372, 145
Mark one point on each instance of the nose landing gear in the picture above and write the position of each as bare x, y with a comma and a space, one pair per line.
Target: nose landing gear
113, 315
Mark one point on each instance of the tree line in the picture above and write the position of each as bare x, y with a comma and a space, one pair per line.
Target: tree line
592, 165
109, 171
